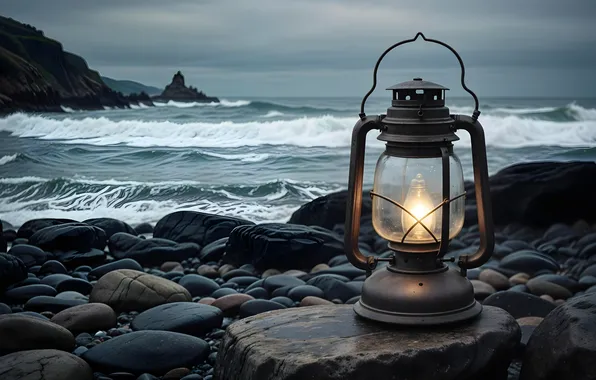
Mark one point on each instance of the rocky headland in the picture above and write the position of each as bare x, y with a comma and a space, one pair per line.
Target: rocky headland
100, 299
178, 91
37, 75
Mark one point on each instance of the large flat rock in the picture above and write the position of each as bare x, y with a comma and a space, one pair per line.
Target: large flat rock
331, 342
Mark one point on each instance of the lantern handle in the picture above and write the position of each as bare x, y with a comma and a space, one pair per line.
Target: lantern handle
482, 189
354, 199
476, 112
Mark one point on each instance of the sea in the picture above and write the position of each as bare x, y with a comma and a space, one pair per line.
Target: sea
253, 158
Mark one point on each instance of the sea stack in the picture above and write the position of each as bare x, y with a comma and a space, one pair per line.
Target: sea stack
177, 91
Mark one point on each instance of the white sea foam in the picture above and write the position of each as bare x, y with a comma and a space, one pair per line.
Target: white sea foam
507, 131
67, 109
6, 159
222, 103
273, 114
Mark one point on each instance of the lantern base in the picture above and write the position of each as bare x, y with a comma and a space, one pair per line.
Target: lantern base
424, 298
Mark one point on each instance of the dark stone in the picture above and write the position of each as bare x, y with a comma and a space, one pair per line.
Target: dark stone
183, 317
529, 262
327, 211
69, 237
519, 288
196, 227
563, 346
32, 226
144, 228
333, 288
12, 270
223, 292
214, 251
47, 303
586, 240
4, 309
258, 293
19, 241
280, 280
588, 251
237, 273
559, 279
52, 267
111, 226
54, 279
198, 286
72, 259
331, 342
281, 246
243, 281
29, 254
338, 260
347, 270
301, 291
150, 252
115, 265
75, 285
255, 284
254, 307
154, 352
520, 304
44, 365
282, 292
285, 301
24, 293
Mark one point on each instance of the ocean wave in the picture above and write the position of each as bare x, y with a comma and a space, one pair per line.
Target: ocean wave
6, 159
508, 131
273, 114
222, 103
26, 198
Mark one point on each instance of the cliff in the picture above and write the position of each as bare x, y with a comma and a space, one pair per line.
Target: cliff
177, 91
36, 74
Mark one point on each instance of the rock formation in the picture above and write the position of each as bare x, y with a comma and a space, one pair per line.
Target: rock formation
177, 91
36, 74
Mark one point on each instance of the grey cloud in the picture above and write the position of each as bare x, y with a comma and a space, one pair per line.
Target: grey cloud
252, 39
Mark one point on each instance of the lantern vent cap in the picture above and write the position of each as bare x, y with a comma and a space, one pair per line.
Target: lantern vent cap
417, 84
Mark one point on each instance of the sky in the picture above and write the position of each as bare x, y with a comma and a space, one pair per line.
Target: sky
274, 48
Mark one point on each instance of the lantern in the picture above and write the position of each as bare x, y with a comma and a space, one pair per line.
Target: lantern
418, 204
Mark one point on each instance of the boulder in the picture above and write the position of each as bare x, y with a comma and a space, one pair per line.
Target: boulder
281, 246
66, 237
32, 226
22, 332
563, 346
131, 290
44, 365
111, 226
12, 270
183, 317
150, 252
542, 193
154, 352
332, 342
196, 227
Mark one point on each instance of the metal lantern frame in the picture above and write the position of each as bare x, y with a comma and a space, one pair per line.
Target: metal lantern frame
417, 287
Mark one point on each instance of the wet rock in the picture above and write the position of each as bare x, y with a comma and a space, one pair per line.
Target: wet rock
529, 262
258, 293
254, 307
571, 326
66, 237
519, 304
540, 287
111, 226
198, 286
29, 254
51, 304
330, 342
278, 281
302, 291
12, 270
44, 365
494, 278
51, 267
32, 226
144, 228
22, 332
287, 302
183, 317
527, 326
127, 290
207, 271
333, 288
281, 246
86, 318
155, 352
150, 251
314, 301
214, 251
230, 304
115, 265
482, 289
23, 294
519, 278
196, 227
